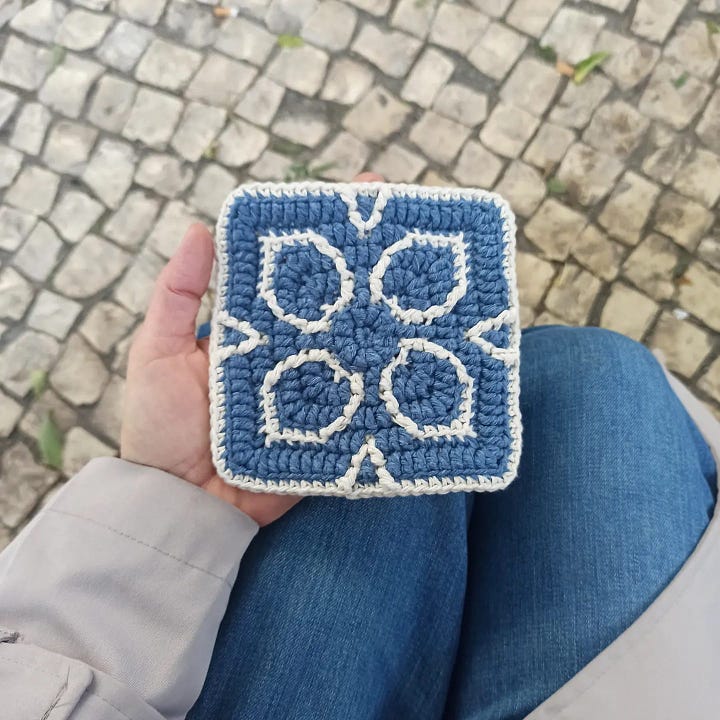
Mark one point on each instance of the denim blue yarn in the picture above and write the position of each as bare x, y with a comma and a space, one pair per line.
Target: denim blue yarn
364, 337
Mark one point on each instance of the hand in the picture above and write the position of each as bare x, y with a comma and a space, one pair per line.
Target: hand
166, 414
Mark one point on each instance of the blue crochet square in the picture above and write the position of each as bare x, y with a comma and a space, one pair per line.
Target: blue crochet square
365, 340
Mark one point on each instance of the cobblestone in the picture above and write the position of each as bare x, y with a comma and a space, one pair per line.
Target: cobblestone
628, 311
125, 121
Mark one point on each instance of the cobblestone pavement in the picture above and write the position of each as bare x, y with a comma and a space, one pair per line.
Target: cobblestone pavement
122, 121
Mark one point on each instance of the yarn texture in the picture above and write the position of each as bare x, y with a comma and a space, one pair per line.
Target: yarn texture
365, 340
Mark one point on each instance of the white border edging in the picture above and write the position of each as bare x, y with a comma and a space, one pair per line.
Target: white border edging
349, 192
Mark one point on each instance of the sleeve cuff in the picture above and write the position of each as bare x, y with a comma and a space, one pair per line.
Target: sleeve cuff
161, 511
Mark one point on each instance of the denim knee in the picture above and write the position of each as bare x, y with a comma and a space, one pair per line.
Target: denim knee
597, 357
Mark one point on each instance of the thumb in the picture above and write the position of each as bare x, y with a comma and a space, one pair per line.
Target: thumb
170, 320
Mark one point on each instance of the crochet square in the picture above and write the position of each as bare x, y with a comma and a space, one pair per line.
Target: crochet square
365, 340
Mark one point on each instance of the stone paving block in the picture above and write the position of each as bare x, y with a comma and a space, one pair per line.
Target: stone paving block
220, 81
213, 185
75, 214
34, 190
190, 23
27, 352
171, 226
93, 265
630, 61
107, 416
628, 207
572, 34
699, 294
578, 102
81, 30
666, 152
147, 12
532, 16
110, 171
708, 250
588, 174
549, 146
684, 346
112, 103
493, 8
244, 40
53, 314
693, 47
271, 166
261, 101
667, 100
123, 45
165, 174
573, 294
24, 65
130, 225
67, 86
461, 103
439, 139
142, 123
477, 166
198, 128
508, 130
710, 381
8, 102
414, 17
241, 143
531, 86
397, 164
376, 116
534, 276
654, 19
300, 69
24, 483
628, 312
699, 177
708, 129
347, 81
554, 228
684, 220
288, 16
167, 65
617, 128
374, 7
596, 252
331, 26
427, 77
456, 27
10, 163
30, 128
39, 20
343, 158
81, 447
134, 289
10, 413
39, 254
16, 294
523, 187
617, 5
15, 226
68, 147
306, 126
105, 325
392, 52
497, 50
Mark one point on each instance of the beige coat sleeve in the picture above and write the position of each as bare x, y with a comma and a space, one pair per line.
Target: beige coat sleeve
111, 598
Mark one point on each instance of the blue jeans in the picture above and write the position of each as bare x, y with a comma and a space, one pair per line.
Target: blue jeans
476, 605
